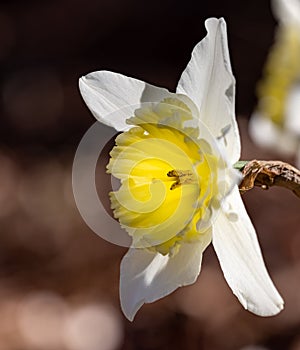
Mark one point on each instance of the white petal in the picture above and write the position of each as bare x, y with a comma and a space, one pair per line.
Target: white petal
209, 82
263, 131
293, 109
267, 134
113, 97
237, 248
287, 11
146, 276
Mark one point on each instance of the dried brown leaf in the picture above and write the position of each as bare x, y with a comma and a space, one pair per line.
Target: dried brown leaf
266, 174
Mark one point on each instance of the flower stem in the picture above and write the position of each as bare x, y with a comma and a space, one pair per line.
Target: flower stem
240, 165
266, 174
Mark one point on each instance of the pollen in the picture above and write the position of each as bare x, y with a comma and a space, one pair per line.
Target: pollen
181, 177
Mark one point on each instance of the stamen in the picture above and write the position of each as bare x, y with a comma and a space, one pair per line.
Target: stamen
182, 177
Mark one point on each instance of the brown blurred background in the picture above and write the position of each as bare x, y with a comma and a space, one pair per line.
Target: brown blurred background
58, 280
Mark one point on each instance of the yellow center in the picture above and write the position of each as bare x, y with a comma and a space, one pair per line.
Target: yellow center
168, 182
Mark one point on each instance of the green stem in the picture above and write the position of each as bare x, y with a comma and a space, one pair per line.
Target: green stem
240, 165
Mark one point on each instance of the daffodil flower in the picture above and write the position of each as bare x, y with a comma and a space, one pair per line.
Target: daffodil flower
276, 122
178, 192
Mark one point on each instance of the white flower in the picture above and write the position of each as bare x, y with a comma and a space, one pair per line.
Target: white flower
168, 150
276, 122
287, 12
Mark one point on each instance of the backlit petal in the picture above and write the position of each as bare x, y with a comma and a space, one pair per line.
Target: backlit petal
113, 97
148, 276
209, 82
237, 248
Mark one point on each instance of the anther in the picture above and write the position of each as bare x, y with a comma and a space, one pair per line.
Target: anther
182, 177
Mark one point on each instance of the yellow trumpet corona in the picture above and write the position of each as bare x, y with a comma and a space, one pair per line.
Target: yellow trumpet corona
168, 180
